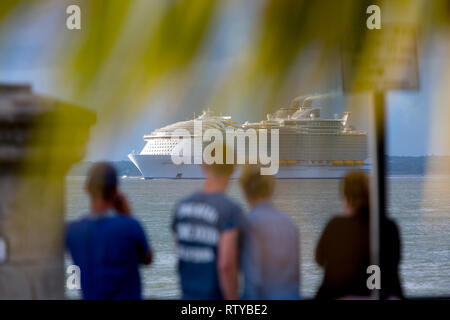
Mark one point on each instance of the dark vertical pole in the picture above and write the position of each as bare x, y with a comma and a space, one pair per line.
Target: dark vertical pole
378, 195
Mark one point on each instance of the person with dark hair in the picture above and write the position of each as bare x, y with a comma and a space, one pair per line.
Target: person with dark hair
107, 244
344, 250
206, 225
270, 255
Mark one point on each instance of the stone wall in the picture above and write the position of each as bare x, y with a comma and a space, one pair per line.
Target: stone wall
40, 138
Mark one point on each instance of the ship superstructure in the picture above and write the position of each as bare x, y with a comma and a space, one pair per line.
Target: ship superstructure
309, 146
308, 139
162, 142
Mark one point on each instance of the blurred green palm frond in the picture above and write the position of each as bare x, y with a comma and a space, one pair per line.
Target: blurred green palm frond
102, 22
179, 35
8, 5
131, 65
289, 27
107, 56
126, 47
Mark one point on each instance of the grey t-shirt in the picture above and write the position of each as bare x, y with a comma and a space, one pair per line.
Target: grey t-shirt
270, 255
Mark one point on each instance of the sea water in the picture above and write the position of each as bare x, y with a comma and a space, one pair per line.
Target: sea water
420, 205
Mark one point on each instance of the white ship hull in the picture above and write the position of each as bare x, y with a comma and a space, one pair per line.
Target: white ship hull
162, 167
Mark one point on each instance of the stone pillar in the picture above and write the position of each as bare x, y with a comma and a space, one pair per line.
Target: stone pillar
40, 138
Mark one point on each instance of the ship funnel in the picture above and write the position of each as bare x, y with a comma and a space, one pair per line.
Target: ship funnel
307, 103
295, 104
345, 118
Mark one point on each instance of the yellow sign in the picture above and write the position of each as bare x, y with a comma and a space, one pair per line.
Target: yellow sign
387, 60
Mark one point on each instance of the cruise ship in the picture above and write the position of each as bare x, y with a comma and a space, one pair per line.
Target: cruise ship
309, 146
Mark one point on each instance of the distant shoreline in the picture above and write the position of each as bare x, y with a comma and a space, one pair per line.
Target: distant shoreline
396, 166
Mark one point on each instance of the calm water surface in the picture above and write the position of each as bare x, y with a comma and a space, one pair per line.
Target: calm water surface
421, 207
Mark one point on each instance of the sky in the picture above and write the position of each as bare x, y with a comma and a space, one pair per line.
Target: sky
409, 114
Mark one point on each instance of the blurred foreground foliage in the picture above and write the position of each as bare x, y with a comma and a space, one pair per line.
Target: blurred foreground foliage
127, 48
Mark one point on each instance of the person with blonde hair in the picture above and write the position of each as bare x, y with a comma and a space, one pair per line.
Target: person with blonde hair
206, 226
270, 243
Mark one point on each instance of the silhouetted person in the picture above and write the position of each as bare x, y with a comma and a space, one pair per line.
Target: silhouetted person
270, 244
107, 244
344, 250
206, 226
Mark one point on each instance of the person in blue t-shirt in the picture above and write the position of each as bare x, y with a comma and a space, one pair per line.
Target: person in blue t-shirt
270, 251
206, 226
107, 244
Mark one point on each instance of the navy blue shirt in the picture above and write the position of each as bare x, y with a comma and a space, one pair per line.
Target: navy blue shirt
108, 250
270, 255
198, 223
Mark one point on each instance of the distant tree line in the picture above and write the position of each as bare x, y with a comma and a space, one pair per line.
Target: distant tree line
418, 165
124, 168
395, 166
